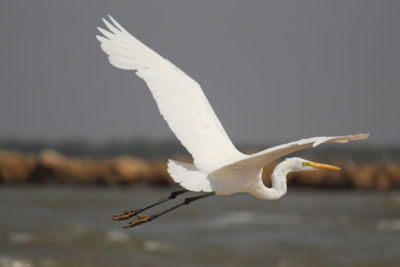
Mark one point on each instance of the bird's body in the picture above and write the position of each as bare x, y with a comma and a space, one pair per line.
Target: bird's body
244, 172
218, 166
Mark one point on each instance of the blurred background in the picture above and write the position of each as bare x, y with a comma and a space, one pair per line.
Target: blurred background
81, 140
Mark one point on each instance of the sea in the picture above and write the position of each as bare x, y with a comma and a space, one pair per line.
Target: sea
62, 226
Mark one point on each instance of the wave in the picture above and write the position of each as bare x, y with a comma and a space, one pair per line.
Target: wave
388, 225
117, 236
6, 261
20, 238
250, 218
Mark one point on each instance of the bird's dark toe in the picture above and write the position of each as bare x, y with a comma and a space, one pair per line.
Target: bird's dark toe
140, 220
126, 214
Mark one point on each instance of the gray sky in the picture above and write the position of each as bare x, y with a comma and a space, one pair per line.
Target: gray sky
273, 70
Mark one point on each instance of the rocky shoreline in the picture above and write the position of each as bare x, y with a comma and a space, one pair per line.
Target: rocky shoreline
50, 166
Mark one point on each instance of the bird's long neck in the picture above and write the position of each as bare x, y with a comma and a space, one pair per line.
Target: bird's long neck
278, 179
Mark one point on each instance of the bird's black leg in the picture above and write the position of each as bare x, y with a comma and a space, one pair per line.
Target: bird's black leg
147, 218
126, 214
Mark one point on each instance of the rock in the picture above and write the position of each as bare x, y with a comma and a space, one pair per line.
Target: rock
53, 167
126, 170
16, 167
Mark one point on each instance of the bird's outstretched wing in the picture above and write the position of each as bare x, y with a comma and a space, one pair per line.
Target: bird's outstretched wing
180, 99
269, 155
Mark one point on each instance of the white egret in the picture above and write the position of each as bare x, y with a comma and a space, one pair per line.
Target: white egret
218, 168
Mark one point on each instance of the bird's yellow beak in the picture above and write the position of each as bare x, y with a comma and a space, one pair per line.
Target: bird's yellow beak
321, 166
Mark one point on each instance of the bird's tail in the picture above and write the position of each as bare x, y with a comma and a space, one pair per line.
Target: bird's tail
188, 176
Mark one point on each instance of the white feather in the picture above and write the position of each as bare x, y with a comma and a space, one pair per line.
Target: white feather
219, 166
271, 154
180, 99
188, 176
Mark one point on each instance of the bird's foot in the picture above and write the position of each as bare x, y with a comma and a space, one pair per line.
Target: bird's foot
140, 220
126, 214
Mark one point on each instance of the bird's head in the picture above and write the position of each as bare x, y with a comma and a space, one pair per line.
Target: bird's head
299, 164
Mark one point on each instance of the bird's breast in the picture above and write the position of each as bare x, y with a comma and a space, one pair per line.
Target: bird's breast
233, 180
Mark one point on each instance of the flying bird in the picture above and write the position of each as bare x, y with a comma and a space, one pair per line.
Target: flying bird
218, 167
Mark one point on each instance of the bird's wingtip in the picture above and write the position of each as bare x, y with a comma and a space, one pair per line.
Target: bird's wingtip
362, 136
115, 22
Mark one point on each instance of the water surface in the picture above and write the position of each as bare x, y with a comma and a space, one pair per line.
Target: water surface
71, 226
